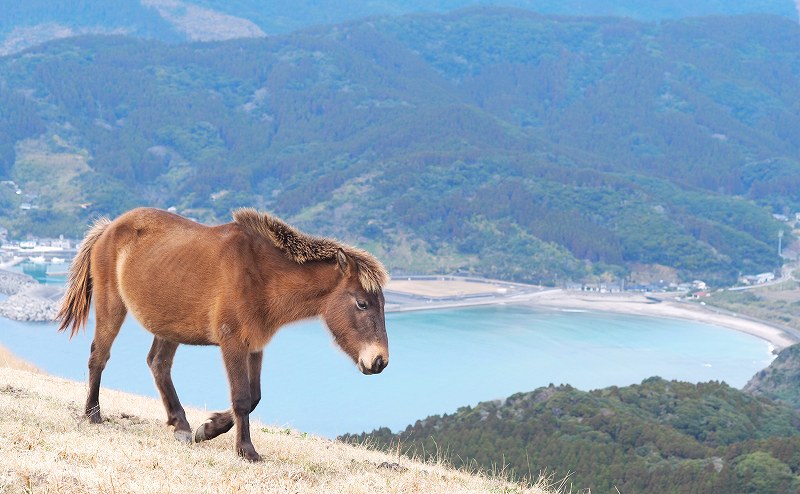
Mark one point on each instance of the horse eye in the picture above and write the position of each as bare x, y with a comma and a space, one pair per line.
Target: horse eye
362, 305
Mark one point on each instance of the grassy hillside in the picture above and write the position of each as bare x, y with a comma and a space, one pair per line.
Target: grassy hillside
47, 446
9, 360
494, 141
660, 436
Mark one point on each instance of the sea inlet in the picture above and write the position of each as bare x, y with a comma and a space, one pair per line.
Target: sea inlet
440, 360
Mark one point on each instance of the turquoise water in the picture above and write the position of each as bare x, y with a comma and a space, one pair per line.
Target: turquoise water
439, 361
47, 273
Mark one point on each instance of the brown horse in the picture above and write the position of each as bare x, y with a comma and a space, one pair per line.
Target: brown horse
232, 285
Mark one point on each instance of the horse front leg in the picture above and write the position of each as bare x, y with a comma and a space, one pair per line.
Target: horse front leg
222, 422
254, 371
235, 354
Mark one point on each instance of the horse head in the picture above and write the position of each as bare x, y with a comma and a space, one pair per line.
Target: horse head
354, 315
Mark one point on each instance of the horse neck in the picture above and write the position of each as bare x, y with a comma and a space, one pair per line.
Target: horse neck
302, 290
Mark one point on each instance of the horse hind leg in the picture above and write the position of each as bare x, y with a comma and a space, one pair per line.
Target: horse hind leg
110, 311
160, 361
221, 422
217, 424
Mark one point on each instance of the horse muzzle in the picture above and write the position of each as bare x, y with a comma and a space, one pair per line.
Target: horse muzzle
375, 367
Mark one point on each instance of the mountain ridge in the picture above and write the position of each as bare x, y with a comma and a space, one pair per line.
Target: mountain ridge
27, 24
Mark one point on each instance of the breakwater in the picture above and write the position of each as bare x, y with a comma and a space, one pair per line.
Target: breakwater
13, 283
28, 301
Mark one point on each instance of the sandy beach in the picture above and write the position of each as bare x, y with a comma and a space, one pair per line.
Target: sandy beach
663, 305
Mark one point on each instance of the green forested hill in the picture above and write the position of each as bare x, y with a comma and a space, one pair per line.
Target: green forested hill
781, 380
499, 141
660, 436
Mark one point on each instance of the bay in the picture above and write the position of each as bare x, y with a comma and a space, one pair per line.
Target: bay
439, 361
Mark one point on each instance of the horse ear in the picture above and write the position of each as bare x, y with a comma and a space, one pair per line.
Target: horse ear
341, 259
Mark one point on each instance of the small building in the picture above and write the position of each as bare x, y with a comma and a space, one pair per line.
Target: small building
757, 279
61, 243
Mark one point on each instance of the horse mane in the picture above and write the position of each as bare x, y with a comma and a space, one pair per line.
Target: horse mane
301, 247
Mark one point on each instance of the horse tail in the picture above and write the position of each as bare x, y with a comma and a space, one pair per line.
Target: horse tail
77, 300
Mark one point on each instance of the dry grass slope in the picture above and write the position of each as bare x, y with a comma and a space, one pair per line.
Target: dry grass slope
46, 446
8, 359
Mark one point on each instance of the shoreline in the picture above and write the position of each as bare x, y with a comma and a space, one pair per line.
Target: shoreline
640, 305
662, 305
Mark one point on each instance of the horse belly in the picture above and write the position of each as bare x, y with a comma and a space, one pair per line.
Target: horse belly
173, 325
168, 299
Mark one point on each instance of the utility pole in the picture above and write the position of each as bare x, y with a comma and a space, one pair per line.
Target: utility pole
780, 239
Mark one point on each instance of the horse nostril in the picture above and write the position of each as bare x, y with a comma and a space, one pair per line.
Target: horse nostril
378, 365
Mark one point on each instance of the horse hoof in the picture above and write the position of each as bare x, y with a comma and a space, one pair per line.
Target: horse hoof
250, 455
200, 433
184, 436
95, 418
